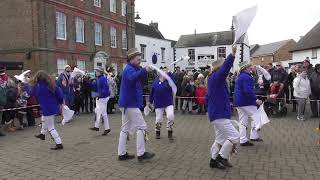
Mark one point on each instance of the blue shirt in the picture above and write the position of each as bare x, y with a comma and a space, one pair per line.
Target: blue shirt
64, 77
244, 93
161, 94
218, 94
102, 87
49, 101
131, 94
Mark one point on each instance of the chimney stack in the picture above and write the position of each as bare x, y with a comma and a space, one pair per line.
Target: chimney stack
195, 32
154, 24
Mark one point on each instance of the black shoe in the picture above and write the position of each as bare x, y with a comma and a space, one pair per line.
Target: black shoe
94, 129
106, 132
223, 161
170, 135
1, 134
126, 157
216, 164
257, 140
40, 136
146, 156
246, 144
58, 147
157, 134
314, 116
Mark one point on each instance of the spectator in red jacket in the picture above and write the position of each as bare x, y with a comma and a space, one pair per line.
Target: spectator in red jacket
201, 92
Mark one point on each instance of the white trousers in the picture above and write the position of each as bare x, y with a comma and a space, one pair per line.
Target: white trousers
101, 111
132, 121
48, 125
227, 137
170, 116
244, 114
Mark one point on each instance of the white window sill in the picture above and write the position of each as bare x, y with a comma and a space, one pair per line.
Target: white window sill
98, 44
82, 42
63, 39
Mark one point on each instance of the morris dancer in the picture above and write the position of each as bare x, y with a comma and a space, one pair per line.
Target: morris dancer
219, 112
130, 102
50, 98
102, 101
162, 97
246, 102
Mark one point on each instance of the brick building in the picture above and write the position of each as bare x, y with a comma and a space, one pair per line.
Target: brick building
48, 34
273, 52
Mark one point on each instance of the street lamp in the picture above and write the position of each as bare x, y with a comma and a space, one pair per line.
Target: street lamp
137, 17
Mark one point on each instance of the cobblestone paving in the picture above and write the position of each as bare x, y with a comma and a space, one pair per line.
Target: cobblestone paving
288, 152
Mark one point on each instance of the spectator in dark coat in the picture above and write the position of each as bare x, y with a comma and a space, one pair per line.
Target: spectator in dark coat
9, 115
78, 89
87, 94
188, 91
308, 67
315, 90
178, 74
279, 74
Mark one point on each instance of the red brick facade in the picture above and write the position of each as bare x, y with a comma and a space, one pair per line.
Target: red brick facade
282, 54
28, 31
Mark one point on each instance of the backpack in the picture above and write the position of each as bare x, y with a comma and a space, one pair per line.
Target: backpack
3, 96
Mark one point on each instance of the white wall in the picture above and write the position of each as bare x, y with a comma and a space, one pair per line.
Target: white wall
210, 50
153, 46
300, 56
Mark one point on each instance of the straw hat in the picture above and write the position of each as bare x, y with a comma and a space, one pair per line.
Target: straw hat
216, 64
244, 64
133, 52
100, 69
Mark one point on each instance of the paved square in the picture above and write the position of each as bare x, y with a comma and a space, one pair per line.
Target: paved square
288, 152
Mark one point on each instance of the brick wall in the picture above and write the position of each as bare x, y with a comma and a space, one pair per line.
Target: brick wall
16, 24
32, 24
262, 60
283, 53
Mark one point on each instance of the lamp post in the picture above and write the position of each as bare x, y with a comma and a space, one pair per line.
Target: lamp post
137, 17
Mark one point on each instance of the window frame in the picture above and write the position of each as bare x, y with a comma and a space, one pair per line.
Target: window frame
194, 54
124, 39
163, 54
61, 25
81, 26
124, 6
84, 65
113, 37
113, 6
221, 53
59, 60
98, 26
314, 53
143, 52
97, 3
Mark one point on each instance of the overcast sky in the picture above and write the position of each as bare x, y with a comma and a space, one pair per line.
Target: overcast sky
276, 20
